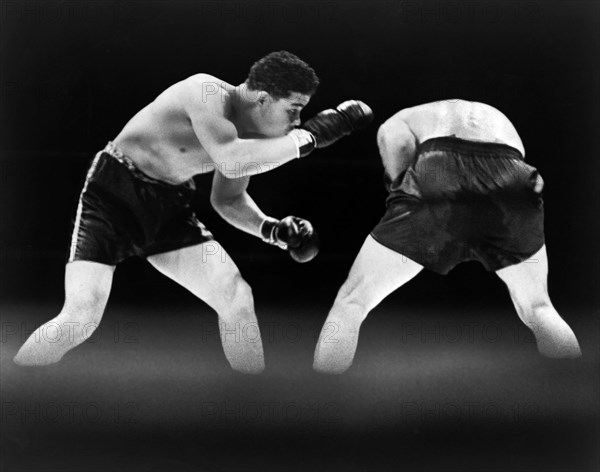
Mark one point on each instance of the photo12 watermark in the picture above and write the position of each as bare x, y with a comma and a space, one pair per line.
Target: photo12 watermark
270, 332
54, 332
72, 413
417, 412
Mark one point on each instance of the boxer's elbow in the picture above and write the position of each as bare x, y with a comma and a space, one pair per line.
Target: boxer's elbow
231, 210
219, 203
224, 203
216, 202
221, 207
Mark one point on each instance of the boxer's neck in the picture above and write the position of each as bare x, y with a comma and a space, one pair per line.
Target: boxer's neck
245, 103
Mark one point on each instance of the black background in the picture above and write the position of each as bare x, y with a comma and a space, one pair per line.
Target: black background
72, 73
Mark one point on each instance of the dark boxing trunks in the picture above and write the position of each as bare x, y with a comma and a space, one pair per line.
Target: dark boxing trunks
122, 212
464, 200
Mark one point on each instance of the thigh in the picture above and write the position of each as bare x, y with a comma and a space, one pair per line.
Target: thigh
377, 271
205, 269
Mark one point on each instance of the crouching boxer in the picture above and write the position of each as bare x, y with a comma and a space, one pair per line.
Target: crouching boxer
459, 190
136, 197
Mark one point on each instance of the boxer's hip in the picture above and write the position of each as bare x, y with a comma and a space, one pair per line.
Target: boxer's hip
461, 199
456, 169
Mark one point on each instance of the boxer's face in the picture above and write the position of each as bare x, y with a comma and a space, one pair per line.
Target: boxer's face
279, 116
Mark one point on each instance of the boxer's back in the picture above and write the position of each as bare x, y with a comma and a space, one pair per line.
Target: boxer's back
467, 120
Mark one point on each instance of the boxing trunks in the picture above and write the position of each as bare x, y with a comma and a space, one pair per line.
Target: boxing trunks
464, 200
122, 212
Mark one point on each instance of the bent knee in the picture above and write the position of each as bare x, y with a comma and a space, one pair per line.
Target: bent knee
539, 308
351, 303
234, 291
88, 304
531, 309
241, 291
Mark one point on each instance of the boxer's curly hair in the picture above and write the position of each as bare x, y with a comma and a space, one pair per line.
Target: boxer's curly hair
281, 73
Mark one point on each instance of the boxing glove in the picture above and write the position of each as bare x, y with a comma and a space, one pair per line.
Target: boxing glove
330, 125
293, 234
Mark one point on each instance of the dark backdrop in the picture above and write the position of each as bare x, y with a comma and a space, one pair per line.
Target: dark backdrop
72, 73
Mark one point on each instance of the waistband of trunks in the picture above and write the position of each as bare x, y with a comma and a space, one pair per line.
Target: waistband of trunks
112, 150
454, 144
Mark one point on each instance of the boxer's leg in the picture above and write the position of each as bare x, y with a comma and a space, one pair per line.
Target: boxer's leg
208, 272
527, 284
87, 287
376, 272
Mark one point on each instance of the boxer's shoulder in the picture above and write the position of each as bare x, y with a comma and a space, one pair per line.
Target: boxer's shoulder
207, 88
395, 128
456, 108
206, 81
453, 117
205, 93
402, 123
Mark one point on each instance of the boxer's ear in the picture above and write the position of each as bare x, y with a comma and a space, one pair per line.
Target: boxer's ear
263, 98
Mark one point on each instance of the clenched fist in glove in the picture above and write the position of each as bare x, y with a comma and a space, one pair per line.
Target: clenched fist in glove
327, 127
294, 234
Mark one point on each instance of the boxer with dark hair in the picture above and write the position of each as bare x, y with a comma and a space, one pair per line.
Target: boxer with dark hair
279, 73
459, 190
136, 198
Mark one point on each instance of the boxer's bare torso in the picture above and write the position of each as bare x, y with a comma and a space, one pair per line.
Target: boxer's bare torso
401, 134
160, 138
467, 120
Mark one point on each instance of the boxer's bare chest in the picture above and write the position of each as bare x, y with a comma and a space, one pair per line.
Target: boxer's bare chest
161, 141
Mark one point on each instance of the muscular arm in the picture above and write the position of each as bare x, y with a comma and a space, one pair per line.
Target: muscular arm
233, 156
237, 157
230, 199
397, 146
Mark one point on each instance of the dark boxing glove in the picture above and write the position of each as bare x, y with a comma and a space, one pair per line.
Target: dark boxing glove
330, 125
294, 234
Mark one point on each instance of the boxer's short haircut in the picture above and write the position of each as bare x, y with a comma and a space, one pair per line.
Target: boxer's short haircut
281, 73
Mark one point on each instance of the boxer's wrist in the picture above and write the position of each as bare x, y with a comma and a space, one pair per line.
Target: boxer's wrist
304, 140
268, 232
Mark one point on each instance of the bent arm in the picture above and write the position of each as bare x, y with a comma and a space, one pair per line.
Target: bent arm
231, 201
397, 146
235, 157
